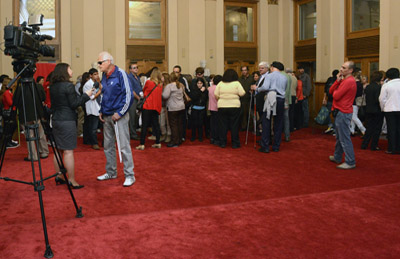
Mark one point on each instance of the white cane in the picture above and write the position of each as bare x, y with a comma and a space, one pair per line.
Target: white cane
248, 118
118, 143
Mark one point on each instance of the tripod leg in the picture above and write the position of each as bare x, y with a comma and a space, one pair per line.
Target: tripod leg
48, 253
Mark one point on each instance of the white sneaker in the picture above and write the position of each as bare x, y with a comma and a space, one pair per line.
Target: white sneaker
129, 181
106, 177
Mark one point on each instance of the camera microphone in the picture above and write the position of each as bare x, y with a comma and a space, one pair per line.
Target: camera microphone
45, 37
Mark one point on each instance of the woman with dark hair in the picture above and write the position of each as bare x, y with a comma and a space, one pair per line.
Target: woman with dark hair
85, 78
64, 103
199, 95
373, 111
228, 93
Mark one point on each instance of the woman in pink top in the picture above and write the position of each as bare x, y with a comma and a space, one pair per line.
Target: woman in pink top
213, 108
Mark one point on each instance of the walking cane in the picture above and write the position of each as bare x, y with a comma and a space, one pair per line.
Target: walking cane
255, 122
248, 118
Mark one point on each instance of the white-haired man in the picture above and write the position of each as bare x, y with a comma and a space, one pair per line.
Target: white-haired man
116, 101
263, 68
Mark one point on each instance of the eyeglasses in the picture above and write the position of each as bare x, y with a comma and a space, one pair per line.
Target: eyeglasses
101, 62
134, 67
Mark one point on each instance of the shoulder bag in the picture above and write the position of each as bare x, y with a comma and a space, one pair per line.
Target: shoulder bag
141, 101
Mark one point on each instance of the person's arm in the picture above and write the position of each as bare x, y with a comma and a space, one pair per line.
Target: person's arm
342, 90
383, 97
166, 92
308, 83
7, 98
265, 85
334, 87
217, 92
127, 96
73, 100
241, 90
86, 87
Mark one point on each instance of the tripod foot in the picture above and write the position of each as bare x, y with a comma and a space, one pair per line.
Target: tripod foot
79, 213
48, 253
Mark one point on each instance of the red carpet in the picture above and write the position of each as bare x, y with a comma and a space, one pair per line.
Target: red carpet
202, 201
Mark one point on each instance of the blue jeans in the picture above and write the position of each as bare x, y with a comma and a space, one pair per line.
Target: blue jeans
343, 139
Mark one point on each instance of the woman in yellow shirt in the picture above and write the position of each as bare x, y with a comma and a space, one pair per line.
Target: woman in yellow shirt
228, 93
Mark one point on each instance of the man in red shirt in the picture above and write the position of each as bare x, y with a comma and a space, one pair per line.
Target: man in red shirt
344, 91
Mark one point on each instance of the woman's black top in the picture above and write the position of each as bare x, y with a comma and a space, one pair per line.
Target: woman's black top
64, 101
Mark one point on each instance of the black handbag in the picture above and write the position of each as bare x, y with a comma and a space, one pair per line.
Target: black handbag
141, 101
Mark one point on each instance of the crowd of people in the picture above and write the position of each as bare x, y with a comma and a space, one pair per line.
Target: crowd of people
273, 98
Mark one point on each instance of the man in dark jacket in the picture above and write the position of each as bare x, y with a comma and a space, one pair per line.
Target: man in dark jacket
373, 111
137, 91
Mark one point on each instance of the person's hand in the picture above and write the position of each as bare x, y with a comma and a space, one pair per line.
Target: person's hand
253, 87
324, 102
116, 117
101, 117
89, 92
339, 77
202, 89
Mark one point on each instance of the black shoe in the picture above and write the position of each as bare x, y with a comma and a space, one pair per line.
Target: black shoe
192, 139
29, 160
275, 149
364, 147
201, 139
12, 145
76, 186
135, 137
222, 145
59, 181
172, 145
375, 149
235, 146
263, 150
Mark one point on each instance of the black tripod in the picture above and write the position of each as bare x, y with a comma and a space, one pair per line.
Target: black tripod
26, 96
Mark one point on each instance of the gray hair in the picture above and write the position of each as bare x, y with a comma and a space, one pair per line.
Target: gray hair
107, 56
264, 64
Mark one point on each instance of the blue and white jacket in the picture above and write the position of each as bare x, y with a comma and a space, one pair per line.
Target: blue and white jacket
117, 93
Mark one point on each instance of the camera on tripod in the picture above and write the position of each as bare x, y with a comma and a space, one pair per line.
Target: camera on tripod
24, 41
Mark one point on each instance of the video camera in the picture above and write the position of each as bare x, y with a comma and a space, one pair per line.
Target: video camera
23, 42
